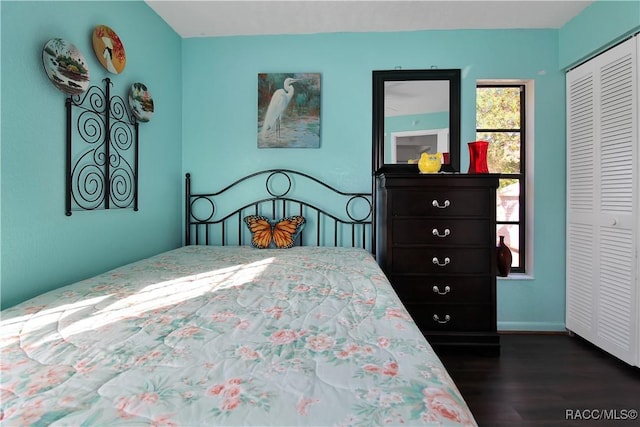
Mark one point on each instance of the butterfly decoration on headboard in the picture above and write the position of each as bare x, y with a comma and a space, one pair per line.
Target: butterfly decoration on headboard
268, 234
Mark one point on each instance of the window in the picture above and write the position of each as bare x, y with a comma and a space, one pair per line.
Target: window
501, 120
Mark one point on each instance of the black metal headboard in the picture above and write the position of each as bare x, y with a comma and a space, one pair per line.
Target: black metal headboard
336, 218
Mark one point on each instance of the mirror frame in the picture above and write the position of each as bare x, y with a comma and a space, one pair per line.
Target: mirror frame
379, 79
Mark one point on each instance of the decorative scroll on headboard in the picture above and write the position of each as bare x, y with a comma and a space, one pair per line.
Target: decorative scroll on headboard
333, 217
102, 152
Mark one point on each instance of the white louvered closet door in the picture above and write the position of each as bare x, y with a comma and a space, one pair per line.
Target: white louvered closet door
602, 201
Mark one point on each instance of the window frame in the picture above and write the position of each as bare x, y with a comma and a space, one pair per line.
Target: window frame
525, 216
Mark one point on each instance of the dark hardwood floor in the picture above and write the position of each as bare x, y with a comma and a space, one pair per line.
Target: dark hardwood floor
544, 380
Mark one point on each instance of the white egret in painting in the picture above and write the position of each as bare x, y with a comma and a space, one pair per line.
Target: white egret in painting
108, 55
277, 106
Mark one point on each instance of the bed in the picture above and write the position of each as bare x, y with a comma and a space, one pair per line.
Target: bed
218, 332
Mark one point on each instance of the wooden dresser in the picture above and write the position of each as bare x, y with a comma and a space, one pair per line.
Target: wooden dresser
436, 241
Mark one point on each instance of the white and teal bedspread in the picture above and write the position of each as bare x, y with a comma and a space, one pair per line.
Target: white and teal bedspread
207, 336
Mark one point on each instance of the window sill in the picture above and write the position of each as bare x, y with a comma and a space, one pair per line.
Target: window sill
516, 276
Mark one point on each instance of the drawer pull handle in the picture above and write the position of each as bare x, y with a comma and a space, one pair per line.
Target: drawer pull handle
436, 318
437, 204
436, 289
437, 233
437, 262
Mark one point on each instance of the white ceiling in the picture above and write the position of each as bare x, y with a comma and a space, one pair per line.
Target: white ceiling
402, 98
243, 17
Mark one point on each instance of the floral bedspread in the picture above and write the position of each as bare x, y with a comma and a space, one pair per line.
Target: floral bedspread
204, 336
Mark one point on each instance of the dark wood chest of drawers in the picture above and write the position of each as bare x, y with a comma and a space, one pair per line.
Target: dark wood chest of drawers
436, 241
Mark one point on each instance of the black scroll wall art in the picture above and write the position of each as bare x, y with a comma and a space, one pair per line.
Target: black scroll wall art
102, 152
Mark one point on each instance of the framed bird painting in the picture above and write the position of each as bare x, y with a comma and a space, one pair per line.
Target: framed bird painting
289, 110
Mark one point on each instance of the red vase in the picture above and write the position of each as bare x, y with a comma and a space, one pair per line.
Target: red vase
504, 258
478, 157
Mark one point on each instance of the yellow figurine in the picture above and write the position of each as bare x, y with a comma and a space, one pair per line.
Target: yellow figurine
430, 163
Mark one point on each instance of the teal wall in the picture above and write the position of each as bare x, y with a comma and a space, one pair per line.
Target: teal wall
41, 247
599, 26
413, 122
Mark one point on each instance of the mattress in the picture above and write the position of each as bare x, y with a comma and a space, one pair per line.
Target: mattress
205, 335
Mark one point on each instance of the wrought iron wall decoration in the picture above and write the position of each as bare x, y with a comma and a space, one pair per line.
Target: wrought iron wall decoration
102, 152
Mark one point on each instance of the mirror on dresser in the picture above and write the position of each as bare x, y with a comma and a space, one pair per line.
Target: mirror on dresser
415, 111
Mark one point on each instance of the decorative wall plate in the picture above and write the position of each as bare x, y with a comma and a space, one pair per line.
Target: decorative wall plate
109, 49
65, 66
141, 102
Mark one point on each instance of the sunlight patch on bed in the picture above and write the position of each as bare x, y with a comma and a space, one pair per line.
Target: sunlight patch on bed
169, 293
12, 328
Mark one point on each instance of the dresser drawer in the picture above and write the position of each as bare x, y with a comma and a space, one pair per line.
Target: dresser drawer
462, 202
441, 231
443, 289
457, 317
441, 260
